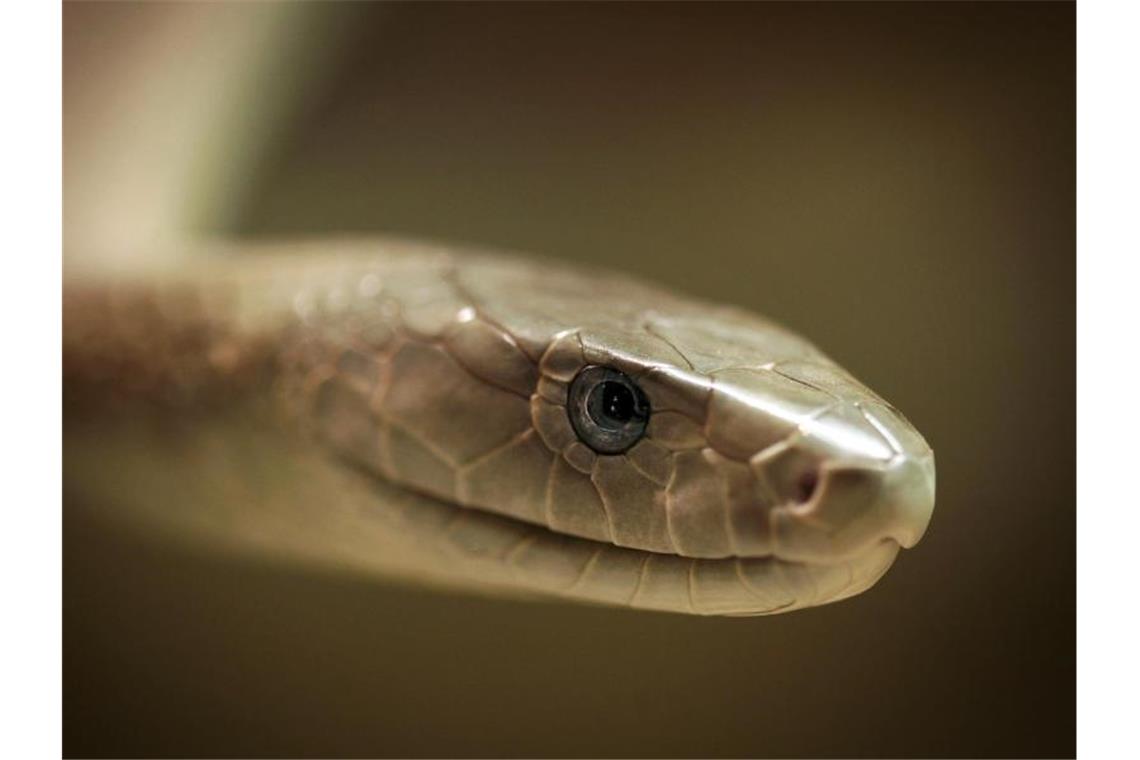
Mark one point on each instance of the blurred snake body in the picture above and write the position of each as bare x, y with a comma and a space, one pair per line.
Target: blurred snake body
404, 409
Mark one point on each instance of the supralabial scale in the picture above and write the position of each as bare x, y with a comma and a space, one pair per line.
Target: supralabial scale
485, 422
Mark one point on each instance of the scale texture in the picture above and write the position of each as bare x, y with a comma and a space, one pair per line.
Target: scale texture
424, 391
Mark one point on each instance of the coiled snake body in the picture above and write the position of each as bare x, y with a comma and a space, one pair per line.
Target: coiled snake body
491, 422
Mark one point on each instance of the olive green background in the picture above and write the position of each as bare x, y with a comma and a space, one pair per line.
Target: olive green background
896, 181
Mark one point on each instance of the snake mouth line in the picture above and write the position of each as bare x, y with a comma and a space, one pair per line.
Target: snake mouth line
512, 552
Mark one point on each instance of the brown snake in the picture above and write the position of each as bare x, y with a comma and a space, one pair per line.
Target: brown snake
493, 422
451, 417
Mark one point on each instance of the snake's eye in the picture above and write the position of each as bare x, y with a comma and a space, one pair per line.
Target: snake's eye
607, 409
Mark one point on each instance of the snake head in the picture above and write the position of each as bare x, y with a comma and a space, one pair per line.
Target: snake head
754, 443
647, 433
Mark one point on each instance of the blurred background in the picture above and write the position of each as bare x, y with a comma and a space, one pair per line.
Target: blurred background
896, 181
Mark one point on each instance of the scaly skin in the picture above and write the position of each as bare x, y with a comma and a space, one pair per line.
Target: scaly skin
436, 382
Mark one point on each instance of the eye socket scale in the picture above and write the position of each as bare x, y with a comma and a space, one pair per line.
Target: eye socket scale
607, 409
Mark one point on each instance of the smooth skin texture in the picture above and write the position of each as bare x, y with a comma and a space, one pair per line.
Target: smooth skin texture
429, 386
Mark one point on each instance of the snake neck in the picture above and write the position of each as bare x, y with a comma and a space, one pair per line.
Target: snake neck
127, 342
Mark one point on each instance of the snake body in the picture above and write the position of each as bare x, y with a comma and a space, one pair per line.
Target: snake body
410, 402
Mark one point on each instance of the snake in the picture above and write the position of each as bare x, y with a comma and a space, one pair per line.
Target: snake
550, 430
483, 421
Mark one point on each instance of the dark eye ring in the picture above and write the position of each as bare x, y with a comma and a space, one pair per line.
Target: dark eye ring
607, 409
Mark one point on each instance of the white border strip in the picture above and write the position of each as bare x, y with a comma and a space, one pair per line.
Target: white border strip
1108, 378
30, 178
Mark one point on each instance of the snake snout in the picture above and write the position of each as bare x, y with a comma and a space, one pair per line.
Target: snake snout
845, 483
909, 495
852, 507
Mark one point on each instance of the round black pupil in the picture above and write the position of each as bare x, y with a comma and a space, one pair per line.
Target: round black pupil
617, 402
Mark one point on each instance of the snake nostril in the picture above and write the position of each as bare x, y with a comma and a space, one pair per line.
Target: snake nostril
806, 485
